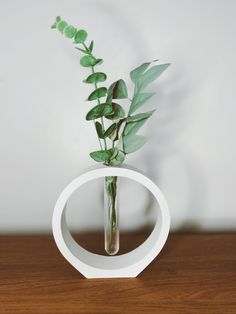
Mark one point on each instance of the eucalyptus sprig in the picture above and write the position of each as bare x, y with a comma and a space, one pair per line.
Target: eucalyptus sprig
120, 138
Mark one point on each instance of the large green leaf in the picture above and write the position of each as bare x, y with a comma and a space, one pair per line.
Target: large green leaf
150, 75
117, 90
134, 123
70, 31
118, 112
133, 143
96, 78
101, 110
138, 100
98, 93
80, 36
88, 61
110, 130
117, 159
101, 155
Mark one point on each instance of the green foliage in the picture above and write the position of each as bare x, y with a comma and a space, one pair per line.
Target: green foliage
137, 72
117, 158
88, 61
97, 93
98, 61
150, 75
110, 130
61, 26
117, 113
133, 143
90, 48
138, 100
99, 130
70, 31
117, 90
101, 155
134, 123
101, 110
82, 50
123, 128
96, 78
80, 36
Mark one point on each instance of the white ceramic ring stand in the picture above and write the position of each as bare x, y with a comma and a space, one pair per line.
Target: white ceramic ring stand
98, 266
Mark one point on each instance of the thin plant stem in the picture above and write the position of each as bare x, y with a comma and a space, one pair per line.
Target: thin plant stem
98, 101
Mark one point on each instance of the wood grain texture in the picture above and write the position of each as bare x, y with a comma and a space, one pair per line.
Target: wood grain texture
195, 273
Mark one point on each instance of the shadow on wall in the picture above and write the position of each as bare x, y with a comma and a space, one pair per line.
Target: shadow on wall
168, 126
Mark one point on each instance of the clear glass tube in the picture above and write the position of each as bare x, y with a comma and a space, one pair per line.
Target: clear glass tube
111, 215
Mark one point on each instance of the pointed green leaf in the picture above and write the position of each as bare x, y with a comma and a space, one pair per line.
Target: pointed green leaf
83, 50
134, 75
150, 75
101, 155
99, 129
109, 131
87, 61
140, 116
138, 100
91, 46
133, 143
61, 26
98, 62
136, 122
118, 112
96, 78
70, 31
118, 159
117, 90
58, 19
101, 110
98, 93
80, 36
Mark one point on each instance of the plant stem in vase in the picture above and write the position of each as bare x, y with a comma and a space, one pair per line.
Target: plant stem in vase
111, 215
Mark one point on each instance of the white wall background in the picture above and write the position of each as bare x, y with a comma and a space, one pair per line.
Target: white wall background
45, 141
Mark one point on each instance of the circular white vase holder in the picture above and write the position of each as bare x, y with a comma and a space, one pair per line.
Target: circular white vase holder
98, 266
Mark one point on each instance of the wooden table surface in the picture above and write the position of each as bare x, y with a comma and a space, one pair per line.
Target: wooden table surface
194, 273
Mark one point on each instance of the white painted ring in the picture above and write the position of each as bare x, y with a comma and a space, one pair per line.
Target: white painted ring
98, 266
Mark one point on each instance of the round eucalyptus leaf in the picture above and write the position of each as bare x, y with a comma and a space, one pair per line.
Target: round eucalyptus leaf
87, 61
58, 19
61, 26
97, 93
99, 111
81, 36
118, 112
70, 31
101, 155
96, 78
